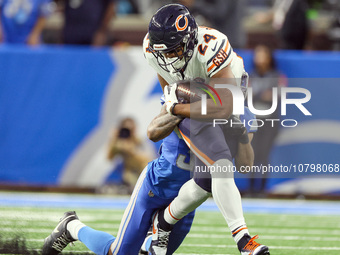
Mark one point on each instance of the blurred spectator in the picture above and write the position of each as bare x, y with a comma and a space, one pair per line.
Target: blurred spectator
87, 21
22, 21
259, 3
289, 18
263, 79
149, 7
225, 16
334, 31
125, 143
127, 7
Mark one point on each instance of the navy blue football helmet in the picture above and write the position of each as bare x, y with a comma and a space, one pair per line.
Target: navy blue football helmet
173, 30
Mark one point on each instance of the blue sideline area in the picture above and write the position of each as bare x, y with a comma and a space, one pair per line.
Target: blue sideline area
106, 202
50, 99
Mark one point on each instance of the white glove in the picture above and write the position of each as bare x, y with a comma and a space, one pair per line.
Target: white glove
170, 96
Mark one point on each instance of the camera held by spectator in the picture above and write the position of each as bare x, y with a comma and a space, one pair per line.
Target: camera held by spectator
125, 143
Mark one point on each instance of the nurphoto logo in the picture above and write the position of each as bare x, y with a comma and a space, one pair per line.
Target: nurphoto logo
239, 103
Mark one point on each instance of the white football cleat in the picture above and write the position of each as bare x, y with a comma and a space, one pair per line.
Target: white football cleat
160, 238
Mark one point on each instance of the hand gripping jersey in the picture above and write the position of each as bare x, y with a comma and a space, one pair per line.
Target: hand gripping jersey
212, 53
171, 169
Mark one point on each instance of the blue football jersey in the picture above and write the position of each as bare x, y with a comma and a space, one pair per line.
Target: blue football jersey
18, 18
171, 169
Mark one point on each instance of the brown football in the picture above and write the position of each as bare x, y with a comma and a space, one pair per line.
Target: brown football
189, 91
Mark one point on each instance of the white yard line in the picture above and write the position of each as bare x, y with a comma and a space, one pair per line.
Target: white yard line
198, 230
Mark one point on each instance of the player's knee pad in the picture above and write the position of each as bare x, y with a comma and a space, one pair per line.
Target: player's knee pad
222, 168
189, 198
196, 193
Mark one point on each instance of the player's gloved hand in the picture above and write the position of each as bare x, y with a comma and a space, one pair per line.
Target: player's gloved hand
236, 128
170, 97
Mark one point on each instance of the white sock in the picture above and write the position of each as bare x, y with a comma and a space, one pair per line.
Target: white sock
190, 197
228, 198
239, 231
73, 227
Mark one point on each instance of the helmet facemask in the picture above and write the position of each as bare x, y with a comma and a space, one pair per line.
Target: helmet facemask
182, 51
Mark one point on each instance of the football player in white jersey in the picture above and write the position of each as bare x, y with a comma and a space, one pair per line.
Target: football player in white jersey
178, 49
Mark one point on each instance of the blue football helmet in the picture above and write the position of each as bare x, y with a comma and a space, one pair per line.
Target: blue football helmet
173, 29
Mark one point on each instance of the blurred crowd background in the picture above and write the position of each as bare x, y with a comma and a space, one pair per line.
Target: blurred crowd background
287, 24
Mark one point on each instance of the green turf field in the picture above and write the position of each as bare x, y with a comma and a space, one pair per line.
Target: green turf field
284, 234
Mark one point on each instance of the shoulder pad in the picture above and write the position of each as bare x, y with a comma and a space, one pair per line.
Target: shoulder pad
213, 49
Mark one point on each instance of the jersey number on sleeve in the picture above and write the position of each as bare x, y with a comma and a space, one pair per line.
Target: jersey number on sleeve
207, 39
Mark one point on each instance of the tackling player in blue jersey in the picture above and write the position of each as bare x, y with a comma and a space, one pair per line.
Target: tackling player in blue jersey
157, 186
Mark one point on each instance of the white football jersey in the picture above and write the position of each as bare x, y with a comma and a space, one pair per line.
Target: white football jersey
212, 53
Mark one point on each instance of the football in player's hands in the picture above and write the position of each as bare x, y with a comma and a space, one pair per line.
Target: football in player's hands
189, 91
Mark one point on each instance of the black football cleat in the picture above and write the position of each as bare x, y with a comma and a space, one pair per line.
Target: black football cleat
60, 237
